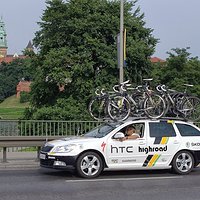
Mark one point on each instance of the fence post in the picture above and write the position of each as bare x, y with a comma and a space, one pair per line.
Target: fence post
4, 155
38, 154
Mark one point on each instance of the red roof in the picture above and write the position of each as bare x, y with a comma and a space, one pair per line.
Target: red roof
9, 59
156, 60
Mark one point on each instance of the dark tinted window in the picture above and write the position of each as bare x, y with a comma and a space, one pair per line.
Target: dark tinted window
161, 129
187, 130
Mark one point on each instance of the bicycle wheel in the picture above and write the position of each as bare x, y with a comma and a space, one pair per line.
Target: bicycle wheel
191, 108
154, 106
97, 108
118, 108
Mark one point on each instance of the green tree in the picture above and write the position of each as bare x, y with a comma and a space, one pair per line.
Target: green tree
11, 73
180, 68
77, 48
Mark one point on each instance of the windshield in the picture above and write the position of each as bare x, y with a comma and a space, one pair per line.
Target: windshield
102, 130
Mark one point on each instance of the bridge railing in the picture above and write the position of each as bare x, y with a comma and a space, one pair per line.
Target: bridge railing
17, 134
45, 127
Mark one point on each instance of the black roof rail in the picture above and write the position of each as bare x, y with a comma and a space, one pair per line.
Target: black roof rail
140, 118
173, 118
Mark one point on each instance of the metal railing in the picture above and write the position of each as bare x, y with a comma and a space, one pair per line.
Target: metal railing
28, 133
45, 127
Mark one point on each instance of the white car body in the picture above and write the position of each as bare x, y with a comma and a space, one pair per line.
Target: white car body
148, 152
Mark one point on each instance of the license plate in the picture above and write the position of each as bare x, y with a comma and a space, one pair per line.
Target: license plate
42, 156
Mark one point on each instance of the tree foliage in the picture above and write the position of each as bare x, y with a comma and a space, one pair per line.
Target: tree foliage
77, 44
180, 68
11, 74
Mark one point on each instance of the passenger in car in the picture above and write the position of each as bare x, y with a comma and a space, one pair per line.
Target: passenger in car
130, 133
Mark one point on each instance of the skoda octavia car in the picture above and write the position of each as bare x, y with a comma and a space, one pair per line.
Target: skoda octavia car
162, 144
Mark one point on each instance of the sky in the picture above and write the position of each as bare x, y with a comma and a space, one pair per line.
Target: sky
20, 18
175, 23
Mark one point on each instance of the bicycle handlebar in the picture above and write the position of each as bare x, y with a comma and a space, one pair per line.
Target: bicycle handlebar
125, 82
188, 85
147, 79
123, 89
102, 91
114, 88
158, 88
96, 92
164, 88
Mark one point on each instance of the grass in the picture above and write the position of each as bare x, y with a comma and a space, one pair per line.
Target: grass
28, 149
11, 108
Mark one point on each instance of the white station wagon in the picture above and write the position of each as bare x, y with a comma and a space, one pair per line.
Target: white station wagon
162, 144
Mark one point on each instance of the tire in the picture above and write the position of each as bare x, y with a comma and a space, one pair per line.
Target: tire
154, 106
183, 162
97, 108
89, 165
191, 108
119, 108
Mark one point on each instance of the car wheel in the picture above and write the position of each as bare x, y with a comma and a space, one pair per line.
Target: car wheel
89, 165
183, 162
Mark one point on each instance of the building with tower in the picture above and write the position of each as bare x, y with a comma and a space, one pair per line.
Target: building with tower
4, 56
3, 41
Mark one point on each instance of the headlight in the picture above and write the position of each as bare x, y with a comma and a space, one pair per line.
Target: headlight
64, 149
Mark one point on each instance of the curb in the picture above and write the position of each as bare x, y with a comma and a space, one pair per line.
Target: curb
20, 164
20, 160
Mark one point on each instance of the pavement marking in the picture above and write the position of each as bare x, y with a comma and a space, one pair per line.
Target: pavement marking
123, 179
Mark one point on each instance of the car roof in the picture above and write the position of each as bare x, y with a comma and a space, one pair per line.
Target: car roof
143, 119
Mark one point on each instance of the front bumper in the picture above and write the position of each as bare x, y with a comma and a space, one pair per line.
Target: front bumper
57, 162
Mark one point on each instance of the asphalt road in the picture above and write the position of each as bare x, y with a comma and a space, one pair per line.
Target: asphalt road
44, 184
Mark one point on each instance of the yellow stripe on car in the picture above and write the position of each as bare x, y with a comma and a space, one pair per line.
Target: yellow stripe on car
153, 160
164, 140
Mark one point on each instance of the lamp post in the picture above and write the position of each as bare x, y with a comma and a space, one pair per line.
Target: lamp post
121, 58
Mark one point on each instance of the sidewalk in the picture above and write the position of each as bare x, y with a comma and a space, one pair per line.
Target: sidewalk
20, 160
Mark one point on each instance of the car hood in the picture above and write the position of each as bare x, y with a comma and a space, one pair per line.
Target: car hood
71, 140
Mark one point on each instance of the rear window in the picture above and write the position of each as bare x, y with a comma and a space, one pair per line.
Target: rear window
187, 130
161, 129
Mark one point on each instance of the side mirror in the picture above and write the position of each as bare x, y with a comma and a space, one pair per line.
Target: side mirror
119, 135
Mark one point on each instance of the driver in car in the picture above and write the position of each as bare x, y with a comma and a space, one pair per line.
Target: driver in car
130, 133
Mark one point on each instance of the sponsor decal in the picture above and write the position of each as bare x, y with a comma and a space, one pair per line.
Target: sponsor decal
195, 144
103, 145
114, 161
170, 121
50, 157
164, 160
161, 140
151, 149
151, 160
122, 149
129, 160
187, 144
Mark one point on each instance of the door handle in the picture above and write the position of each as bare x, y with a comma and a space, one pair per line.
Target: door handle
176, 142
142, 143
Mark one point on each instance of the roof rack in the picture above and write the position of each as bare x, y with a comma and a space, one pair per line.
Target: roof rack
141, 118
174, 118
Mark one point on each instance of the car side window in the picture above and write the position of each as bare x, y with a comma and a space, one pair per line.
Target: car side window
187, 130
139, 127
161, 129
